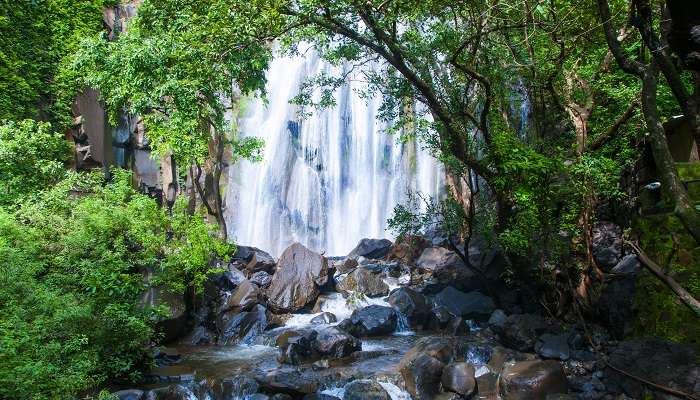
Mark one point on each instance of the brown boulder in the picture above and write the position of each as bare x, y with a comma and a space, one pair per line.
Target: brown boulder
296, 282
532, 380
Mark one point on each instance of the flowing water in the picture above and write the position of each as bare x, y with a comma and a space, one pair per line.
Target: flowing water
327, 180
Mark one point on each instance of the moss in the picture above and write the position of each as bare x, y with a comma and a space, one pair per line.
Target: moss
660, 313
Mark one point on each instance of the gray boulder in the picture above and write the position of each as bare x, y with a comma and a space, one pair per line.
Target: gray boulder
421, 367
242, 327
532, 380
411, 304
459, 378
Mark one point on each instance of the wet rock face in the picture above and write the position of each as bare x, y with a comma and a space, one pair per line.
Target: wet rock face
553, 346
130, 394
472, 305
616, 303
374, 320
459, 378
296, 282
371, 248
333, 343
242, 327
244, 297
366, 281
656, 360
288, 382
444, 266
365, 389
410, 303
174, 392
345, 265
532, 380
421, 367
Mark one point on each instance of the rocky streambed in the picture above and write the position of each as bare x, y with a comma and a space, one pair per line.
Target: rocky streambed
403, 320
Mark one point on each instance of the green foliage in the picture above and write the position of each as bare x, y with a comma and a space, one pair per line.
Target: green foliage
177, 67
32, 158
73, 264
37, 40
419, 214
659, 311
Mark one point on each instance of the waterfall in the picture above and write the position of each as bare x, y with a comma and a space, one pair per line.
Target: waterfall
327, 180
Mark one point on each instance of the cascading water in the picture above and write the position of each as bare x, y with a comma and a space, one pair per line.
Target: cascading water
328, 180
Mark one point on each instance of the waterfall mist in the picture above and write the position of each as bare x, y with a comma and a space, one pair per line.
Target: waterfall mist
326, 180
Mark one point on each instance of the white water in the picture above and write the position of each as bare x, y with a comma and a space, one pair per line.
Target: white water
326, 181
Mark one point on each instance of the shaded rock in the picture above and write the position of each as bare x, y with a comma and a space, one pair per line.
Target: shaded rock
261, 278
446, 267
498, 318
296, 282
616, 306
521, 331
487, 387
334, 343
364, 280
439, 318
324, 318
257, 396
242, 327
296, 346
130, 394
411, 304
472, 305
255, 259
371, 248
283, 396
662, 362
459, 378
289, 382
478, 353
458, 327
607, 244
407, 249
372, 320
421, 367
628, 265
200, 336
532, 380
365, 389
553, 346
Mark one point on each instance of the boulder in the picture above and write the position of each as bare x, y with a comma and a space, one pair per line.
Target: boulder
521, 331
345, 265
296, 282
320, 396
244, 297
296, 346
254, 259
616, 305
284, 396
553, 346
438, 319
242, 327
472, 305
411, 304
371, 248
365, 389
261, 278
129, 394
333, 343
532, 380
421, 367
374, 320
459, 378
445, 267
628, 265
288, 382
607, 244
407, 249
366, 281
199, 336
324, 318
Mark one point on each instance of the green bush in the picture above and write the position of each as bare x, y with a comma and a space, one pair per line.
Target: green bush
72, 264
